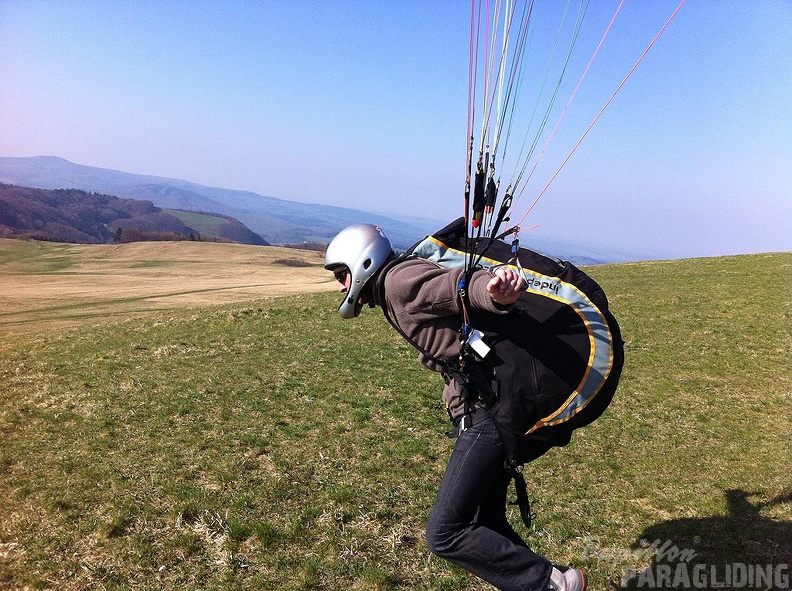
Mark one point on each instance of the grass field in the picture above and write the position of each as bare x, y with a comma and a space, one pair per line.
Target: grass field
205, 225
265, 443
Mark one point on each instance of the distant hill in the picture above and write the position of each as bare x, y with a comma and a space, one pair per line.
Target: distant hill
73, 215
278, 221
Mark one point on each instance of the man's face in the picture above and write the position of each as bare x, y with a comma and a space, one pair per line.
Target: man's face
344, 278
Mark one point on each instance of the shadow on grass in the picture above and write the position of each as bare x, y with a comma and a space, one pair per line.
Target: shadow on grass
742, 550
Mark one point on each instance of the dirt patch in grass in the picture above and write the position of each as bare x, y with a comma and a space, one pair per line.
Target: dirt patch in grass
50, 285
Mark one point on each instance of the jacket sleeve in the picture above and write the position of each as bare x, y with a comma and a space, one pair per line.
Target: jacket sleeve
423, 299
424, 291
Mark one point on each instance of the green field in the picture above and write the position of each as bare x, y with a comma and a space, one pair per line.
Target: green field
272, 445
206, 225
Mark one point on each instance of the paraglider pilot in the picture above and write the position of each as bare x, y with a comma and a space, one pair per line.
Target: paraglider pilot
468, 524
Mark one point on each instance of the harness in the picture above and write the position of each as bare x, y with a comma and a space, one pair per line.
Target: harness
549, 366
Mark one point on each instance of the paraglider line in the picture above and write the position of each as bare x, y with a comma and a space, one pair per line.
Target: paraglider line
580, 141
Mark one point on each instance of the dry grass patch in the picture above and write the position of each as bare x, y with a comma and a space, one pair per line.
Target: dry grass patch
54, 285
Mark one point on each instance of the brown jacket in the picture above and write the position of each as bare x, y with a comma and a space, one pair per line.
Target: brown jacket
423, 300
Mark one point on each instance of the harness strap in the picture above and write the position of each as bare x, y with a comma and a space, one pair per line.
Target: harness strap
466, 421
521, 488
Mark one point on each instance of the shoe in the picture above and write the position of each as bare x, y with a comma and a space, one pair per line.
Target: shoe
567, 579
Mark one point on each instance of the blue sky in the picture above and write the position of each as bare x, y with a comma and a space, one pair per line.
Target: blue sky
364, 104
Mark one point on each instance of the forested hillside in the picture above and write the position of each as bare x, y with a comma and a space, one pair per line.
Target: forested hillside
72, 215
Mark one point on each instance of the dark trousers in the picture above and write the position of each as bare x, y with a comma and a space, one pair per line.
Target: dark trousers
468, 524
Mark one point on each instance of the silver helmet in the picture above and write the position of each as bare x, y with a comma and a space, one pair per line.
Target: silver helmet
363, 249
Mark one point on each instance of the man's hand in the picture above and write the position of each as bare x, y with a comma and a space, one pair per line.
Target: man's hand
505, 286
